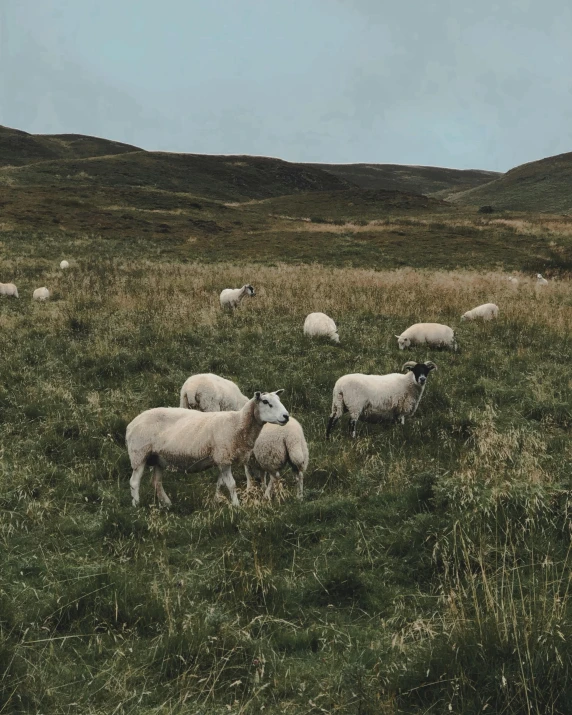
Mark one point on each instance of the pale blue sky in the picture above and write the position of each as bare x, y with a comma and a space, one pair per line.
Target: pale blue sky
441, 82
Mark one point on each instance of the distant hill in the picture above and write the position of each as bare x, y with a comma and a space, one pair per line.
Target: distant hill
428, 180
19, 148
542, 186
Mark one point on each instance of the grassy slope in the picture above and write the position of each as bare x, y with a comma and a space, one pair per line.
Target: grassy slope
19, 148
539, 186
429, 180
426, 567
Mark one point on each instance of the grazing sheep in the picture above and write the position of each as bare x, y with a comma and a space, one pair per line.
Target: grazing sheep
41, 294
64, 264
9, 289
540, 281
434, 335
231, 297
321, 324
196, 441
373, 398
487, 311
208, 392
513, 279
274, 449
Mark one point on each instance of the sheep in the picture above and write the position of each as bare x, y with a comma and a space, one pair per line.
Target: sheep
196, 441
274, 449
373, 398
9, 289
210, 393
64, 265
432, 334
540, 281
41, 294
321, 324
487, 311
513, 279
231, 297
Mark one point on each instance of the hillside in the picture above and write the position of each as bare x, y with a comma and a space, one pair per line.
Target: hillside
543, 186
429, 180
19, 148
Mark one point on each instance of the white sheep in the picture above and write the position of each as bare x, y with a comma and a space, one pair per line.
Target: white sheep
275, 448
487, 311
373, 398
41, 294
513, 279
9, 289
317, 324
231, 297
208, 392
540, 281
434, 335
64, 265
195, 441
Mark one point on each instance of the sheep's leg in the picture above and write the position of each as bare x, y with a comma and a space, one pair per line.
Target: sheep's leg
331, 424
300, 484
134, 483
249, 478
353, 427
269, 493
157, 482
401, 418
227, 479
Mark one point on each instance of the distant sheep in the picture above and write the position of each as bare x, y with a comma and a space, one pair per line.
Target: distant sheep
317, 324
540, 280
41, 294
195, 441
373, 398
208, 392
64, 265
9, 289
487, 311
434, 335
513, 279
275, 448
231, 297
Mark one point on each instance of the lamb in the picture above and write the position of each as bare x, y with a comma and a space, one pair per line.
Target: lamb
487, 311
9, 289
373, 398
231, 297
434, 335
210, 393
540, 281
64, 265
317, 324
196, 441
274, 449
41, 294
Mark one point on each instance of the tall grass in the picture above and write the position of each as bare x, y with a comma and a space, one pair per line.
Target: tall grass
426, 570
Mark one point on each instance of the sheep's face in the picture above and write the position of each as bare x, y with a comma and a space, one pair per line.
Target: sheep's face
464, 316
270, 409
403, 342
335, 337
420, 370
250, 291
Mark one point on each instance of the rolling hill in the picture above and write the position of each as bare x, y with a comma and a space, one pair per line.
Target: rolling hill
429, 180
543, 186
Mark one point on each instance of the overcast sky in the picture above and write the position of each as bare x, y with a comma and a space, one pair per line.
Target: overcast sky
455, 83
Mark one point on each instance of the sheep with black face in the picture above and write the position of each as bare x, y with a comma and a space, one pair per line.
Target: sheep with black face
231, 297
374, 398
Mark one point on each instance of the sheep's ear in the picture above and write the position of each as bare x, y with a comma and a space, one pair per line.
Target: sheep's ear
278, 392
257, 395
398, 336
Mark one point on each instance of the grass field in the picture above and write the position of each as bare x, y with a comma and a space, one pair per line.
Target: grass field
427, 569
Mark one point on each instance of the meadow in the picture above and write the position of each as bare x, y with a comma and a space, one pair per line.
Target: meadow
427, 568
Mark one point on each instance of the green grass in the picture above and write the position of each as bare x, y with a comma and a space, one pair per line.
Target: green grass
427, 567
